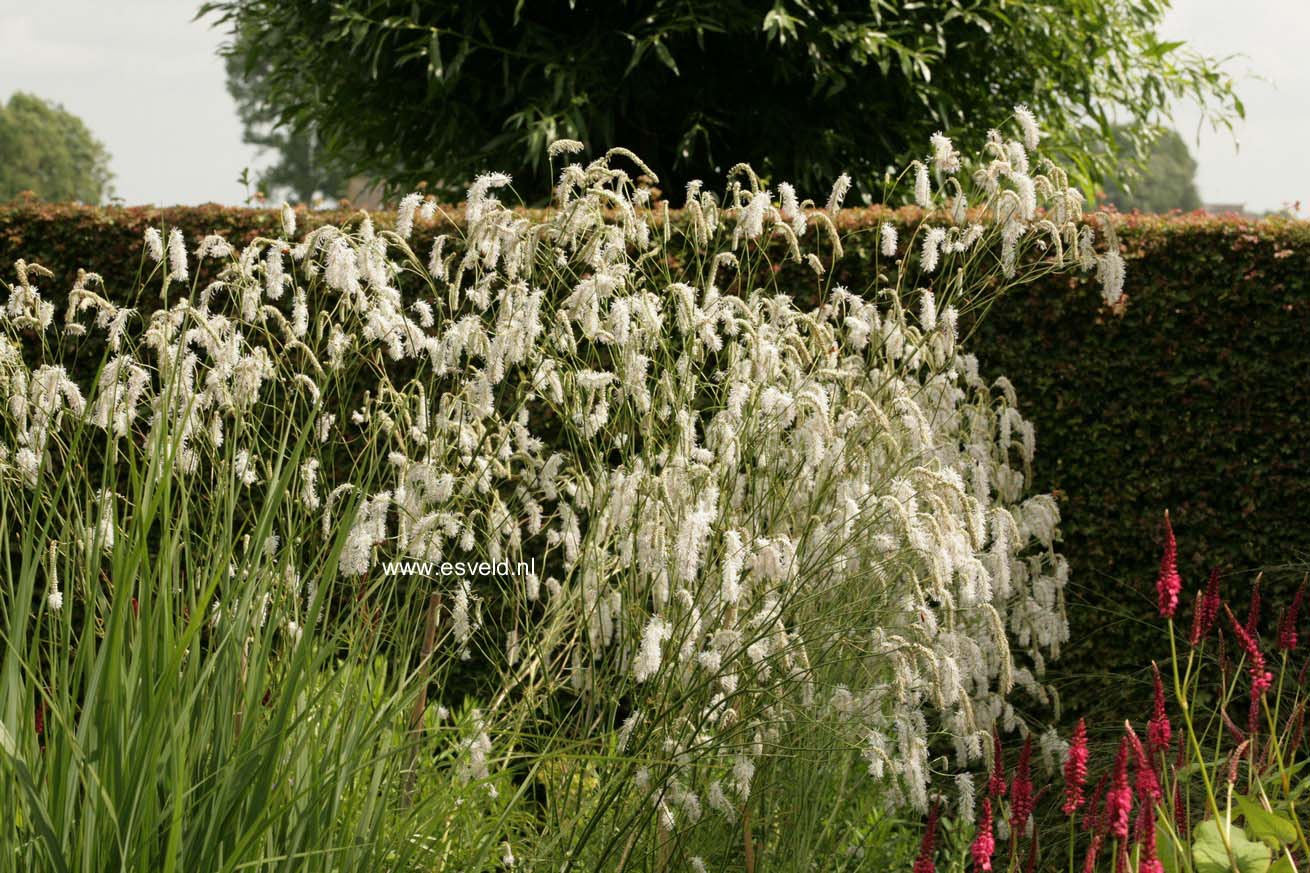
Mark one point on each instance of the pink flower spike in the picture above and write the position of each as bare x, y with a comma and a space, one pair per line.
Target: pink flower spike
1096, 809
1119, 797
1180, 810
1089, 862
1150, 861
1021, 790
984, 844
1075, 770
1287, 636
1261, 679
996, 782
1159, 733
1197, 618
1210, 602
1148, 785
1253, 614
924, 863
1255, 659
1168, 584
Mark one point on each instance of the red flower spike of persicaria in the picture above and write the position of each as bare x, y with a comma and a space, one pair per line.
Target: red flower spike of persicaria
1075, 770
984, 844
1159, 733
1168, 584
1238, 735
1253, 614
1295, 727
1095, 809
1195, 637
1094, 849
1210, 602
1021, 790
924, 863
996, 782
1287, 636
1147, 783
1207, 609
1180, 810
1119, 797
1261, 679
1149, 861
1031, 865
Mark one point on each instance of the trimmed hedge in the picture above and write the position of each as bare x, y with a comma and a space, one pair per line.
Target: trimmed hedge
1192, 397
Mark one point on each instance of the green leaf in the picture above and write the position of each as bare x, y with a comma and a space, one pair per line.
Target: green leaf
1282, 865
1209, 855
1168, 851
7, 744
1161, 49
1264, 825
779, 25
436, 68
662, 52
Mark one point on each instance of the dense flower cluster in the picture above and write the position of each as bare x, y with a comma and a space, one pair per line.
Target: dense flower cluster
703, 475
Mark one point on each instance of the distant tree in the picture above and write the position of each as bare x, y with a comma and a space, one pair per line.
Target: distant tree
300, 170
405, 92
1164, 178
47, 150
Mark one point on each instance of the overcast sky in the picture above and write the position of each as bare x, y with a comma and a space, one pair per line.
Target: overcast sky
146, 79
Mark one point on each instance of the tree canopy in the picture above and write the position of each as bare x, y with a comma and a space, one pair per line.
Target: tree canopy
301, 170
47, 150
405, 92
1165, 179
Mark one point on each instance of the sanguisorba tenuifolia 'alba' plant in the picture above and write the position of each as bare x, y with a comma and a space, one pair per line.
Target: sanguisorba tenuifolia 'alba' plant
762, 540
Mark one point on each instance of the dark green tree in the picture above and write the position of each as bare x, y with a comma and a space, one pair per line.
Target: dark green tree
300, 170
47, 150
1163, 178
404, 92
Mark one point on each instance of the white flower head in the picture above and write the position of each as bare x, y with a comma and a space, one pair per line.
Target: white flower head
154, 244
888, 236
564, 147
650, 656
922, 187
1032, 134
177, 266
288, 220
932, 248
944, 155
405, 214
840, 189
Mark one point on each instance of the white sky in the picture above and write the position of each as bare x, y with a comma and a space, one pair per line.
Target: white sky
146, 80
1267, 167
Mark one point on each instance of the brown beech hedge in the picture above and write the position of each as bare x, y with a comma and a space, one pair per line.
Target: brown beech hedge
1193, 397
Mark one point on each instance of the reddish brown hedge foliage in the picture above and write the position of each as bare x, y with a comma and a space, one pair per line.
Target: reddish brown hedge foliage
1193, 398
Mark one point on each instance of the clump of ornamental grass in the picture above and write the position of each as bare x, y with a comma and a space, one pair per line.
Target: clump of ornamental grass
1212, 779
768, 552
